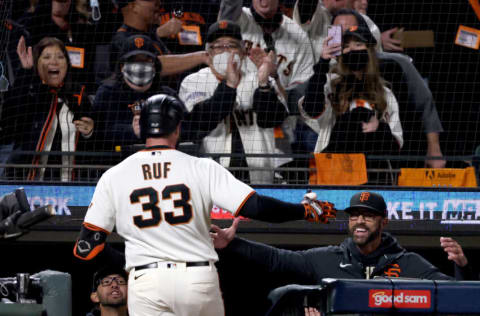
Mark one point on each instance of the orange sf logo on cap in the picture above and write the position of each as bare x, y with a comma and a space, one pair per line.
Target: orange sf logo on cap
222, 24
139, 42
353, 28
364, 196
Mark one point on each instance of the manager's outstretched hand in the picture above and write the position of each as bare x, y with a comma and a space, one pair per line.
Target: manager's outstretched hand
222, 237
454, 251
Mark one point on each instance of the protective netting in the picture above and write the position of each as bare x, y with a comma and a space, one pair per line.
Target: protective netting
69, 119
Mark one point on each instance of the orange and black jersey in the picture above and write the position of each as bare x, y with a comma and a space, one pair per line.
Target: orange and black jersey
196, 16
271, 210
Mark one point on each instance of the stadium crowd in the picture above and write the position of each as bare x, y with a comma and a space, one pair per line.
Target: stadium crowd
264, 87
261, 88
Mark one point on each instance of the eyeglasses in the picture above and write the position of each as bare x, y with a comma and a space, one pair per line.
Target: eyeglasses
108, 281
369, 217
229, 46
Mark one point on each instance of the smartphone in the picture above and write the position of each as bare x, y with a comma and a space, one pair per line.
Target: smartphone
335, 31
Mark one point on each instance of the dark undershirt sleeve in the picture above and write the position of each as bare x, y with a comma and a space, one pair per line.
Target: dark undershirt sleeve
268, 209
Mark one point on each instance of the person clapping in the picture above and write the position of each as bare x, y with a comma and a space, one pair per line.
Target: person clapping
45, 111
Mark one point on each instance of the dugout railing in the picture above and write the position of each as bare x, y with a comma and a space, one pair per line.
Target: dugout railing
380, 296
385, 173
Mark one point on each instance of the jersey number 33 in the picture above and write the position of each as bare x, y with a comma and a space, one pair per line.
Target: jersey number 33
156, 213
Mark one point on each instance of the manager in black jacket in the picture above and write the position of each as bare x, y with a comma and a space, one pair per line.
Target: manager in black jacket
368, 252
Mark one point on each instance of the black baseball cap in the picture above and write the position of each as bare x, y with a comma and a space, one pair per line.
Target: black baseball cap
371, 201
136, 45
361, 33
223, 28
106, 271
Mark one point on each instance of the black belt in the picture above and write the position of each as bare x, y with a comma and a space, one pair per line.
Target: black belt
155, 265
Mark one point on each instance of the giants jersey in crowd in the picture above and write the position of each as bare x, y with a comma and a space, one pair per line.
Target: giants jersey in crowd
159, 201
294, 53
201, 86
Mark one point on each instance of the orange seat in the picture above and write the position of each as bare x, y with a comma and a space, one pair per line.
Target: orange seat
338, 169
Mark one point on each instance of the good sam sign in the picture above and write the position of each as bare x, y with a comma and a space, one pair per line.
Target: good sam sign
408, 299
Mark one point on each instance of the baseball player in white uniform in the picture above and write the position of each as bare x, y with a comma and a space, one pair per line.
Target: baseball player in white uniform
159, 200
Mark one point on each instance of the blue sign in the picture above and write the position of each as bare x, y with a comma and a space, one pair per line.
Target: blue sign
447, 205
61, 197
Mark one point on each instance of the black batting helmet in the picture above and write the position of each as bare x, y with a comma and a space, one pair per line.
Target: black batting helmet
160, 115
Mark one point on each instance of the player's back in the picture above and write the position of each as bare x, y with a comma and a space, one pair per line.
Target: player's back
162, 200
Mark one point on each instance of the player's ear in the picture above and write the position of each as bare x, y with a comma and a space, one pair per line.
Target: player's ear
94, 297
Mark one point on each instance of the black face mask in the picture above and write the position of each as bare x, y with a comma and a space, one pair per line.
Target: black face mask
356, 60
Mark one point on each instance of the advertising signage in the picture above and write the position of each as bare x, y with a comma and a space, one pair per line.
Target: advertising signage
451, 207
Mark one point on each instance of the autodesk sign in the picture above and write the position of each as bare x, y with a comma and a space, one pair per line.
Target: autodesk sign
399, 299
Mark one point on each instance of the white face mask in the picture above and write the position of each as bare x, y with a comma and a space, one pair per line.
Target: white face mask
220, 62
139, 73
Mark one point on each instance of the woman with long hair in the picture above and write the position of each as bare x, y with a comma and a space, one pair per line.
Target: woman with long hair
349, 105
45, 111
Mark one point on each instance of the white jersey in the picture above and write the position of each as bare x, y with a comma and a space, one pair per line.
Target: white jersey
159, 201
323, 124
201, 86
317, 28
294, 54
